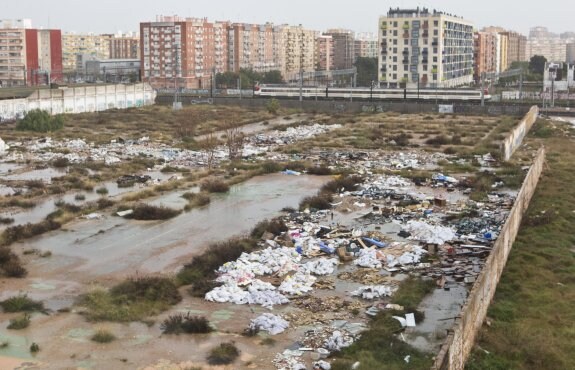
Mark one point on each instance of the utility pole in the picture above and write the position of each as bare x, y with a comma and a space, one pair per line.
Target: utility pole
240, 84
521, 86
483, 89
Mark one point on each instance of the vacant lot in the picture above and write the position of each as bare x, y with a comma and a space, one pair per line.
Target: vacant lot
532, 317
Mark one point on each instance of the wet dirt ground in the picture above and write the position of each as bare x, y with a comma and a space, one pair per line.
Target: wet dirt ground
82, 257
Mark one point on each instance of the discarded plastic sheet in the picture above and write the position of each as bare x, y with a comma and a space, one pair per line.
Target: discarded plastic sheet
269, 322
292, 173
432, 234
377, 243
322, 266
374, 291
338, 341
125, 213
297, 284
401, 320
368, 258
410, 320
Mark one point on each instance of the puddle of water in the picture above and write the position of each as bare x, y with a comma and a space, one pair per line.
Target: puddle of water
132, 246
440, 307
45, 175
47, 206
18, 346
6, 168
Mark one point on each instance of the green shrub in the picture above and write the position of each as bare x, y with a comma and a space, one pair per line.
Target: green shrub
275, 226
273, 106
214, 186
149, 212
103, 336
102, 191
185, 323
20, 322
38, 120
61, 162
224, 354
319, 202
21, 303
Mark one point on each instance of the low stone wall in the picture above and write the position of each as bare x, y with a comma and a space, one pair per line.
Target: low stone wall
341, 106
515, 138
79, 99
459, 343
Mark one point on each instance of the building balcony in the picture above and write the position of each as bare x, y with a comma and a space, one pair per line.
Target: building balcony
406, 35
406, 26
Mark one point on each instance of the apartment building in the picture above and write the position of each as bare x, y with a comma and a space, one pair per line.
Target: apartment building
324, 53
28, 56
366, 45
251, 46
423, 48
124, 46
516, 47
552, 46
97, 46
299, 50
182, 52
343, 48
485, 54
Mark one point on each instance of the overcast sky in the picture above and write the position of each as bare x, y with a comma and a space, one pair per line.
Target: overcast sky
109, 16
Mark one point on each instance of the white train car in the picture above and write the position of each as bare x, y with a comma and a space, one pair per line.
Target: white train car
333, 93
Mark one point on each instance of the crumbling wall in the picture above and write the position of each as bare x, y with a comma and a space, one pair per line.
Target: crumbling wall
459, 343
79, 100
515, 138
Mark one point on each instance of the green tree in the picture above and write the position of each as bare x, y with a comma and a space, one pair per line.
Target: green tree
227, 80
537, 64
272, 77
40, 121
366, 71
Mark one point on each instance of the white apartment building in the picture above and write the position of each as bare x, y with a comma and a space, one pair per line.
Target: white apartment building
429, 49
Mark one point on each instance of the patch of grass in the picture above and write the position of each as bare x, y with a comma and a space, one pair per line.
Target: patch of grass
214, 186
34, 348
21, 203
185, 323
103, 336
61, 162
224, 354
6, 220
102, 191
379, 347
149, 212
20, 232
276, 227
271, 167
196, 200
133, 300
319, 202
532, 311
21, 303
20, 322
319, 170
79, 197
438, 140
341, 184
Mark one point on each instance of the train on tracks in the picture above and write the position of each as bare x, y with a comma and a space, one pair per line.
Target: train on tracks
370, 94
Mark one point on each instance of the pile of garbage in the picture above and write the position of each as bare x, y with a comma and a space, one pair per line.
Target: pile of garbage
292, 134
269, 322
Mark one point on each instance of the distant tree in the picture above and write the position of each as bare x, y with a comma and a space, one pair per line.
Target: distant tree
40, 121
227, 80
272, 77
208, 147
366, 71
519, 65
537, 64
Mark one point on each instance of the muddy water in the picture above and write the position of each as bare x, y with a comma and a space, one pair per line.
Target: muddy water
45, 175
114, 245
46, 206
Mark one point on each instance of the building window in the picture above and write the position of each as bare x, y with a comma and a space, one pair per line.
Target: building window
435, 32
435, 59
395, 67
394, 32
405, 42
436, 23
394, 41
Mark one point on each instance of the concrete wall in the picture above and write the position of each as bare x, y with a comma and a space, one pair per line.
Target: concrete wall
341, 106
79, 100
515, 138
459, 343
